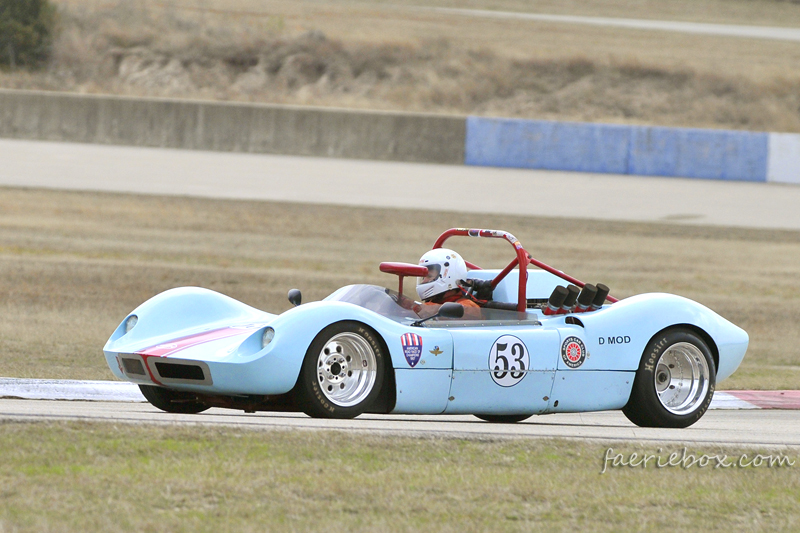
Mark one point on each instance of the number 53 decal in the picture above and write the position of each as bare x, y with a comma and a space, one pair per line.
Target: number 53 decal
508, 360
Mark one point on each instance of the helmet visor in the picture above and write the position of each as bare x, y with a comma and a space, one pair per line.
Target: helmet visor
434, 271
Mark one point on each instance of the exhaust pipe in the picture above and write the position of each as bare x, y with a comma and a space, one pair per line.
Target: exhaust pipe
570, 300
586, 298
556, 300
600, 297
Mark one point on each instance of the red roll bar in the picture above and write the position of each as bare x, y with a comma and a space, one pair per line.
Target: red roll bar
522, 259
402, 270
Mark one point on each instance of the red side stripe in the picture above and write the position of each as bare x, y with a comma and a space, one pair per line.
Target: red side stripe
171, 347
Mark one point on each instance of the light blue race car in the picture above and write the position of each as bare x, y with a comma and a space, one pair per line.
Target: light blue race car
529, 346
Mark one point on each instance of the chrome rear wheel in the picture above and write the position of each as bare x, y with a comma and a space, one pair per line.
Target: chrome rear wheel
681, 378
675, 381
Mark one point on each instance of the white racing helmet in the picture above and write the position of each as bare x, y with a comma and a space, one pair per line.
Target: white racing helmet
445, 269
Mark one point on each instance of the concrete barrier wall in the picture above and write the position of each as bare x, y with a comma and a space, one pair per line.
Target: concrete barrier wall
617, 149
269, 129
291, 130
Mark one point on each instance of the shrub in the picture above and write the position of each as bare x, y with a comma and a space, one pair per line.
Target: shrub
25, 32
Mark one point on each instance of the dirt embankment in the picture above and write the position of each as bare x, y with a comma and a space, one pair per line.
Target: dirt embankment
129, 52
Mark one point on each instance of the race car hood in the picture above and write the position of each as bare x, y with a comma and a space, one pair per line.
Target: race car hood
176, 322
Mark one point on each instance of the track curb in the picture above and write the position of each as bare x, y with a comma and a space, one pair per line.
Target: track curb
120, 391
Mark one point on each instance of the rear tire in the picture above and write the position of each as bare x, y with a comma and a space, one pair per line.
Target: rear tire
675, 381
504, 419
342, 372
172, 401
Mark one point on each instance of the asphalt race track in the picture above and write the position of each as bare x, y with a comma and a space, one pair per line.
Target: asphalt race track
385, 184
720, 30
751, 418
398, 185
750, 428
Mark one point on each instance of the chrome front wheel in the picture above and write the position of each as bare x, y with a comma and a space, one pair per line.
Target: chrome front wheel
347, 369
342, 372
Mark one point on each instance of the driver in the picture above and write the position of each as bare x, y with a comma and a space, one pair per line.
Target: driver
445, 270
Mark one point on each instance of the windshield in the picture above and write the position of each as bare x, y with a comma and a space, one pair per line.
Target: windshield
384, 302
377, 299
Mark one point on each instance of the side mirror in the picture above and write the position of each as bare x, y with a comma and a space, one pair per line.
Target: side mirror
447, 310
451, 310
295, 297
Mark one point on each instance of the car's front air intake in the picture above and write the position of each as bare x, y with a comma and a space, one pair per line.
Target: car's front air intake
133, 366
173, 371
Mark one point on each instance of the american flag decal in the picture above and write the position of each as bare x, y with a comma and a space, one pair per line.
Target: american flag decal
412, 348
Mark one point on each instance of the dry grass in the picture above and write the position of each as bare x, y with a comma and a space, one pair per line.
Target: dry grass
392, 56
74, 264
98, 477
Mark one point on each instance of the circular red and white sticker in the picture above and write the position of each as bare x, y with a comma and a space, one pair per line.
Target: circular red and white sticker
573, 352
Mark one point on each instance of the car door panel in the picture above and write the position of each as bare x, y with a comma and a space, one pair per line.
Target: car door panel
502, 370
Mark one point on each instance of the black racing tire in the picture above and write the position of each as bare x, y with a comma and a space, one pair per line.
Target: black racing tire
504, 419
343, 371
675, 381
172, 401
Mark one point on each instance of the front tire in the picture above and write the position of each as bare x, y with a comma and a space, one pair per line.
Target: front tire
342, 372
675, 381
172, 401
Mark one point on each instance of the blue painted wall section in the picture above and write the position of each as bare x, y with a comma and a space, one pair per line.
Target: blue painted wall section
547, 145
617, 149
696, 153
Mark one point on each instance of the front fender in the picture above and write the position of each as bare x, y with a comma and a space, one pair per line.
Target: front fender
178, 312
296, 329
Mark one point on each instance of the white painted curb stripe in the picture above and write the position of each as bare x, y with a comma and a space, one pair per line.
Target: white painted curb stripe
58, 389
724, 400
120, 391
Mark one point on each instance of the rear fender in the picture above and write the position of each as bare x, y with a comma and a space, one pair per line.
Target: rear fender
619, 333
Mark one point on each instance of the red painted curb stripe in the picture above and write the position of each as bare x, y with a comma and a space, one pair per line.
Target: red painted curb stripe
769, 399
